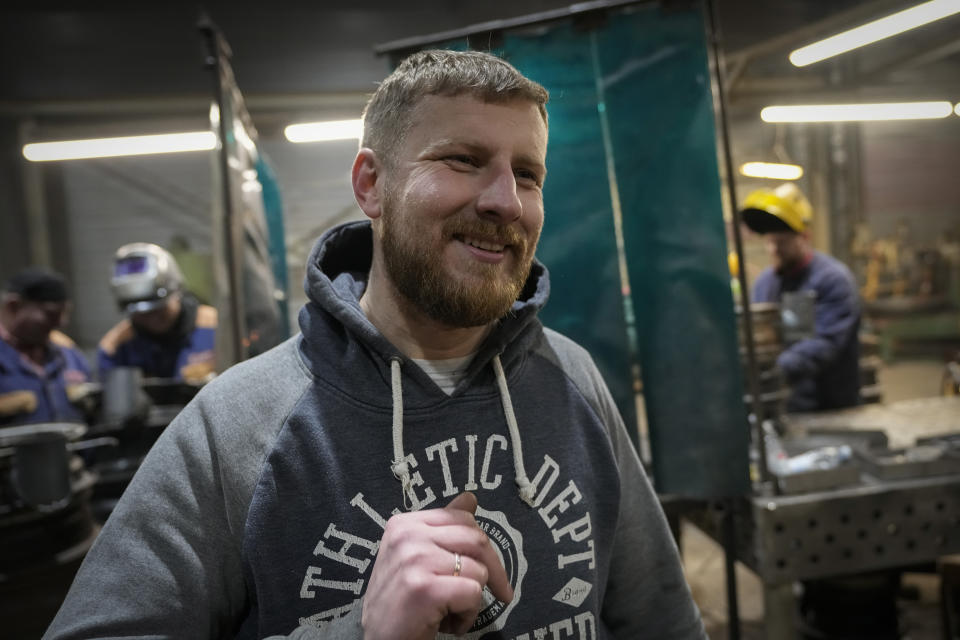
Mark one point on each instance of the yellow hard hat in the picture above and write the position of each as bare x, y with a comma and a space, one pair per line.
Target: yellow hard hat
782, 209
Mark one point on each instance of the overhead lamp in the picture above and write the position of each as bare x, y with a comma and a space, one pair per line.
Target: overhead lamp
873, 31
323, 131
956, 109
124, 146
773, 170
856, 112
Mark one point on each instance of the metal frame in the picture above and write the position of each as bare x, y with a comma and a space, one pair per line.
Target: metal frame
870, 527
218, 61
418, 42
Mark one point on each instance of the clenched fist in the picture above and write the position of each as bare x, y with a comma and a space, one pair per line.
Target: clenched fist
413, 592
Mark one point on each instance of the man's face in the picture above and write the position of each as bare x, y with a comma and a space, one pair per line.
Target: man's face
463, 207
787, 249
33, 321
160, 320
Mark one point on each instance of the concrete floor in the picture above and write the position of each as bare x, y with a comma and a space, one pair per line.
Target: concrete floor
908, 379
704, 562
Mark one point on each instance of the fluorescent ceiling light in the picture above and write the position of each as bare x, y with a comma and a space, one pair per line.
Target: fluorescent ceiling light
772, 170
322, 131
956, 109
126, 146
874, 31
853, 112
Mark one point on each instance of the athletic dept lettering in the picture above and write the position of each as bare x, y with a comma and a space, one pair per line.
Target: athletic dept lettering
559, 507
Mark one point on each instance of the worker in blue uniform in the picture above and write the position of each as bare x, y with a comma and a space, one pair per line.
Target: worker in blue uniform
820, 308
167, 333
41, 370
819, 302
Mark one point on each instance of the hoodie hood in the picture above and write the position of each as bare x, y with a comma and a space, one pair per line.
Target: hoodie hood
336, 278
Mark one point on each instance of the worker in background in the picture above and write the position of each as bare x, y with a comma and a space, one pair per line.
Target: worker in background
167, 333
41, 369
819, 302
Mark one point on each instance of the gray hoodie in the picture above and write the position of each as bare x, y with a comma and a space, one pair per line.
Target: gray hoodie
260, 509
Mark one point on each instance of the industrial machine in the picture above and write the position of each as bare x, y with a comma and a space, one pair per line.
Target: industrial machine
46, 521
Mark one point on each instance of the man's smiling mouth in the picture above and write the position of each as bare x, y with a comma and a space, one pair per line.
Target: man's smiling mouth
485, 245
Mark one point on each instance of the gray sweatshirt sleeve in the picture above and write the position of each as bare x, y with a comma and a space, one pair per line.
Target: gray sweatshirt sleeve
168, 562
647, 595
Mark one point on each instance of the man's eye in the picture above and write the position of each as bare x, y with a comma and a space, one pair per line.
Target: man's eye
527, 176
462, 159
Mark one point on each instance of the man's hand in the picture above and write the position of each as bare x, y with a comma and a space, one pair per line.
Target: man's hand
413, 593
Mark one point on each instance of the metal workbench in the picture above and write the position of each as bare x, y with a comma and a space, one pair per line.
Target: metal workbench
876, 521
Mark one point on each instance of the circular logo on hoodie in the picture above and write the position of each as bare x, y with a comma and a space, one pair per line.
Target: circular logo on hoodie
508, 543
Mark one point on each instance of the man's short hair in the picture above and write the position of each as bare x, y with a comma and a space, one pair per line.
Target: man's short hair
37, 284
387, 116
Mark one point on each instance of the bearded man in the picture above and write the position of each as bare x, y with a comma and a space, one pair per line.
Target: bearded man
425, 457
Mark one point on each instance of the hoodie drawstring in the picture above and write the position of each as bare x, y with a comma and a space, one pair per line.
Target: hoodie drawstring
399, 466
401, 469
523, 482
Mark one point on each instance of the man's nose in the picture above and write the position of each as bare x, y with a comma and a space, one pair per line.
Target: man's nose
499, 198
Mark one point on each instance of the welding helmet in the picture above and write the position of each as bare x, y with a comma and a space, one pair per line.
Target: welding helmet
782, 209
144, 275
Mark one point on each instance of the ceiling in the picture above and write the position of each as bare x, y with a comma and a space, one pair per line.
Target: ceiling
123, 68
109, 57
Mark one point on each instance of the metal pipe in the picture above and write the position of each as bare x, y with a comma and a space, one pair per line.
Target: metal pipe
34, 197
730, 566
753, 383
214, 61
420, 42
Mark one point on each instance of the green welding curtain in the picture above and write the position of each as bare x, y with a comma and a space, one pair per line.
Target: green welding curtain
634, 236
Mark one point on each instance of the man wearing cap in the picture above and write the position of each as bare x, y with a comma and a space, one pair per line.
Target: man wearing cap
821, 360
41, 370
167, 333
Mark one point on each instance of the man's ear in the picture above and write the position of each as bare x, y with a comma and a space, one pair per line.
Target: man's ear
367, 182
